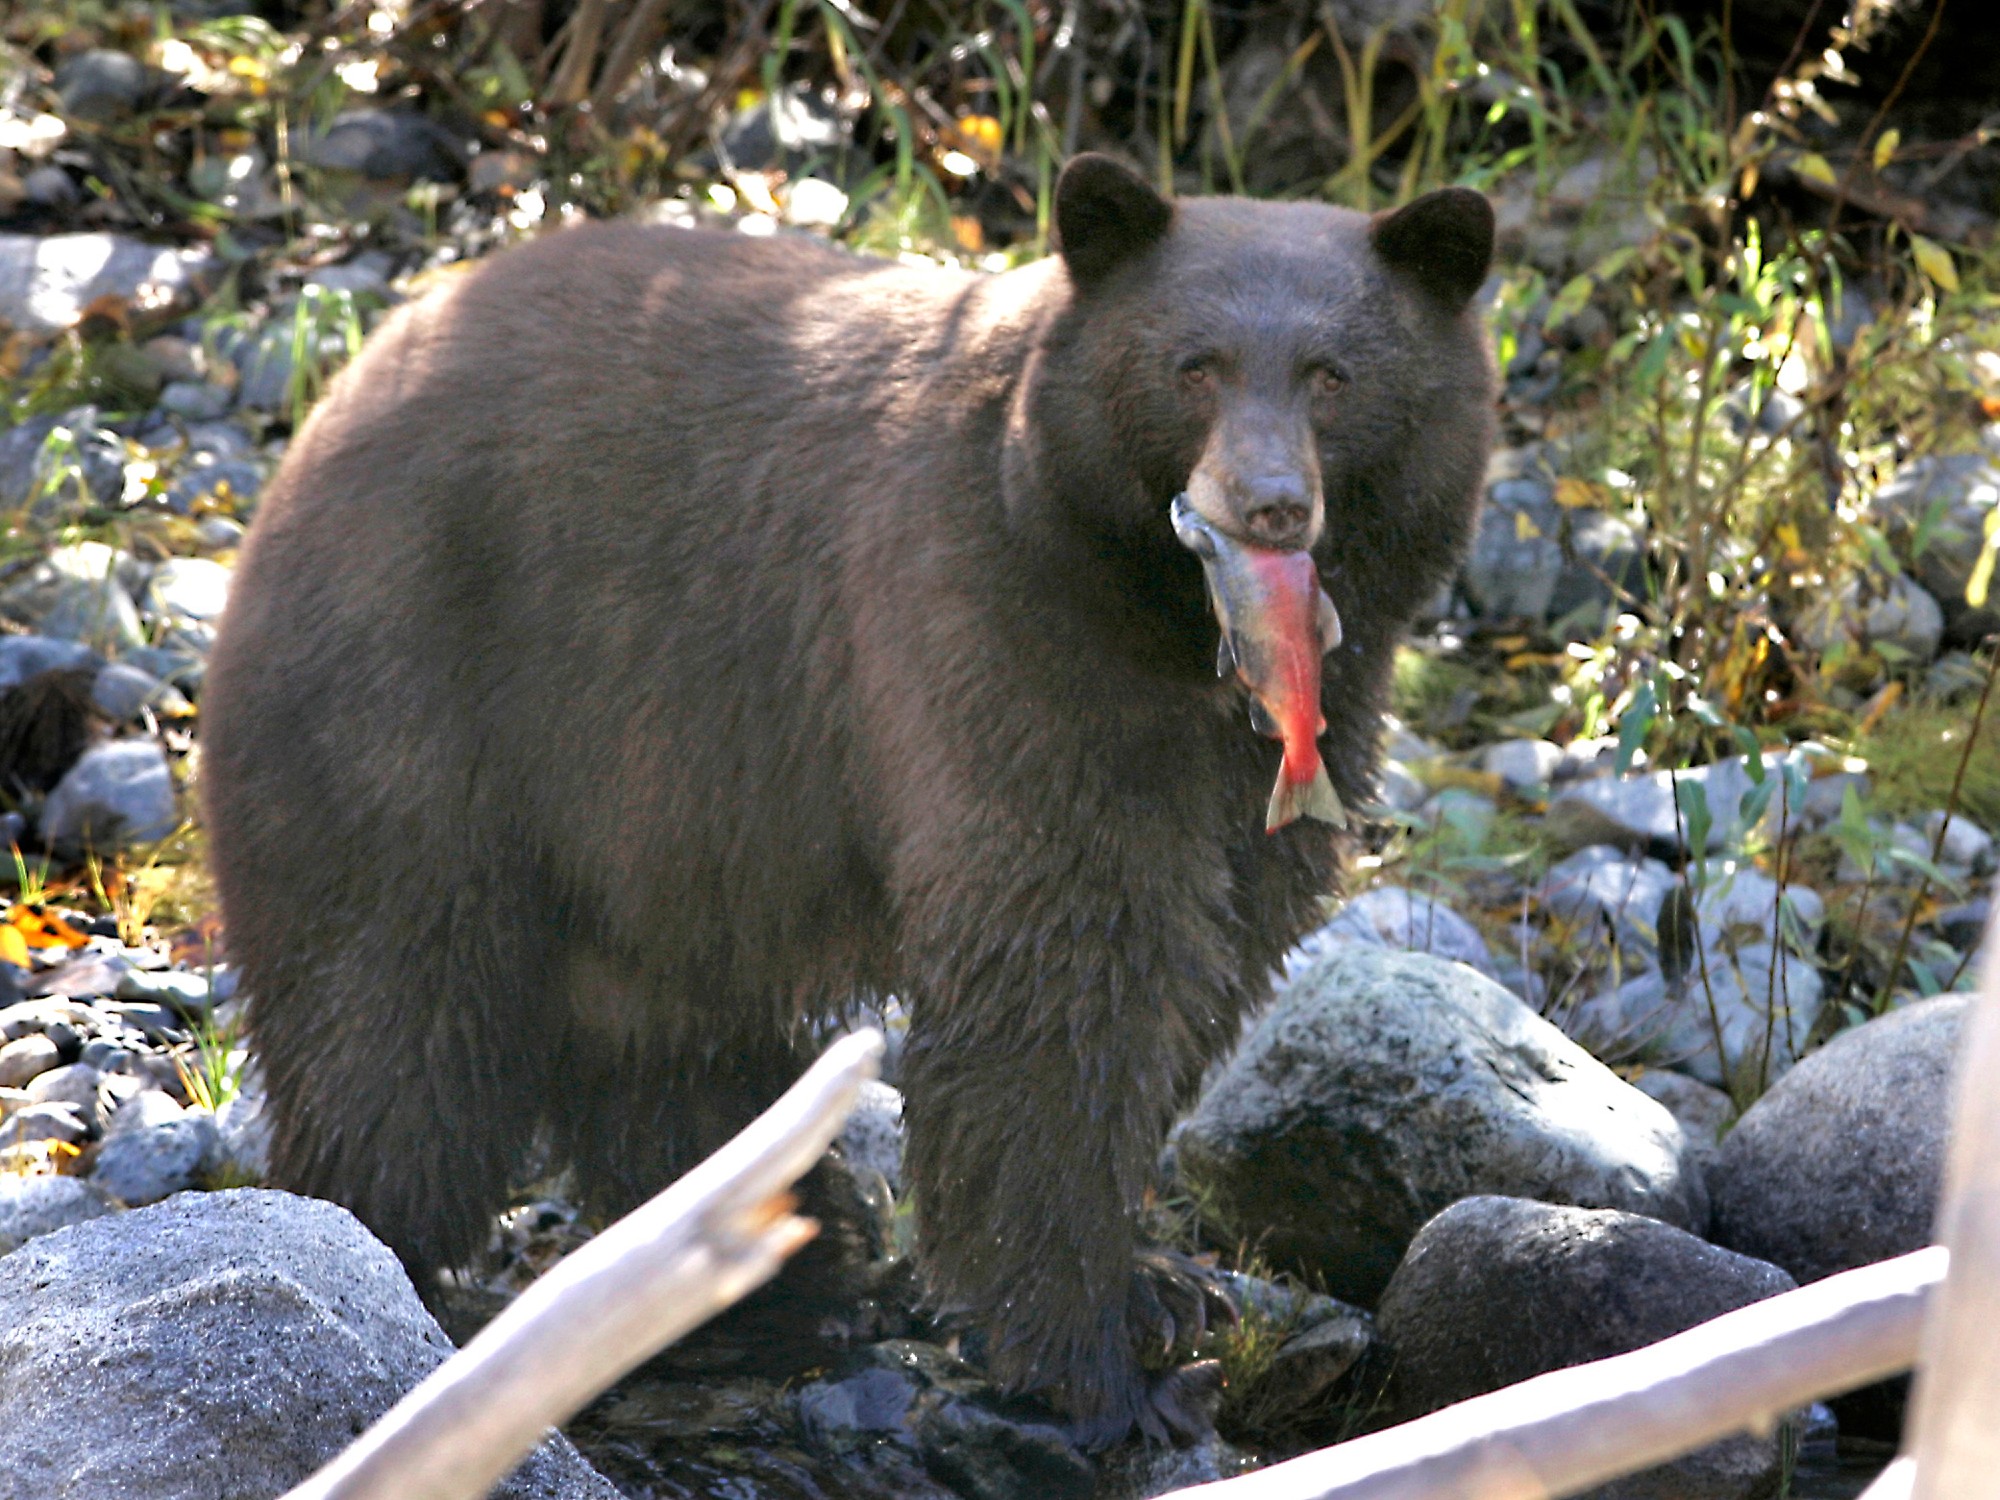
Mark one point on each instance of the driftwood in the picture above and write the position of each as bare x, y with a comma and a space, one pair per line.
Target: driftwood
712, 1237
1954, 1428
1569, 1430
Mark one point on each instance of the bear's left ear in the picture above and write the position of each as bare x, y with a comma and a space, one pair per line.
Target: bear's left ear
1443, 241
1105, 214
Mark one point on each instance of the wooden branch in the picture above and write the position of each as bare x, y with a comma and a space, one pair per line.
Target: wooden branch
666, 1267
1572, 1429
1954, 1429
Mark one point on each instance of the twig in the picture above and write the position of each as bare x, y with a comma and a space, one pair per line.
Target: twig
1572, 1429
663, 1269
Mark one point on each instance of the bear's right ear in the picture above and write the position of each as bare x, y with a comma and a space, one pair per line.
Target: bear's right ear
1443, 241
1105, 214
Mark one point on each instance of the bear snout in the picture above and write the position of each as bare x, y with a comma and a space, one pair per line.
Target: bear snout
1278, 510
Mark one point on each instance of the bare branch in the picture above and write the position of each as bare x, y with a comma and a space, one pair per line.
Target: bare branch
663, 1269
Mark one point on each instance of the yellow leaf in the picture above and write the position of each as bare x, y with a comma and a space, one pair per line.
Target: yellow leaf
1885, 147
1813, 165
13, 947
1579, 494
966, 230
1788, 534
1746, 185
1981, 581
1525, 530
1935, 262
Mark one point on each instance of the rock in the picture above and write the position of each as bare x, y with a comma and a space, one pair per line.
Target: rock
386, 145
141, 1163
195, 400
1955, 676
218, 1346
1522, 763
1400, 790
1936, 509
1966, 844
1140, 1471
179, 668
75, 1084
97, 613
367, 275
32, 1124
25, 656
1839, 1164
31, 1206
35, 594
1601, 889
1962, 925
1388, 916
118, 794
26, 1058
1495, 1291
57, 466
1638, 812
1740, 904
101, 85
46, 281
917, 1398
1382, 1087
193, 588
1461, 812
1897, 614
1704, 1111
872, 1138
122, 692
1766, 1009
1533, 558
220, 533
246, 1137
185, 992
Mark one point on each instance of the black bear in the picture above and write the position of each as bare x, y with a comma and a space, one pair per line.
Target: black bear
660, 638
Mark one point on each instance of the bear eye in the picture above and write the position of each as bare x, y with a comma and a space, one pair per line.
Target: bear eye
1326, 381
1197, 371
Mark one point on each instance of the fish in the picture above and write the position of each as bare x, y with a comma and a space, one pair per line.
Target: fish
1277, 622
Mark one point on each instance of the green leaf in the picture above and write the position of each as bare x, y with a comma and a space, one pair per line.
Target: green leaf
1813, 166
1633, 727
1693, 799
1885, 147
1935, 262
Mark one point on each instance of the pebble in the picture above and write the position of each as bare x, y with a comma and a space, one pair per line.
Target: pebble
1603, 889
191, 588
1899, 614
97, 613
183, 991
1522, 763
26, 656
1388, 916
26, 1058
1639, 811
141, 1163
195, 400
101, 85
32, 1124
1966, 844
75, 1084
122, 692
46, 281
118, 794
31, 1206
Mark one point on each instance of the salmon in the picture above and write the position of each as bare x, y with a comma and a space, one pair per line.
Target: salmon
1277, 622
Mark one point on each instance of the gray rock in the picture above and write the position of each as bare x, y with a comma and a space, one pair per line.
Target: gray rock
1400, 790
246, 1137
1766, 1009
179, 668
1740, 904
31, 1206
1516, 560
872, 1138
1825, 795
101, 85
32, 1124
1495, 1291
1140, 1471
52, 187
1460, 813
918, 1399
1897, 613
139, 1164
76, 1085
195, 400
220, 533
1600, 888
26, 1058
1638, 812
25, 656
1839, 1164
1382, 1087
1936, 508
1388, 916
118, 794
192, 588
122, 692
95, 613
1522, 763
46, 281
386, 145
185, 992
1703, 1110
253, 1334
1966, 844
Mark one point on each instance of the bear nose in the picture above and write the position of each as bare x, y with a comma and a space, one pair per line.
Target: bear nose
1278, 510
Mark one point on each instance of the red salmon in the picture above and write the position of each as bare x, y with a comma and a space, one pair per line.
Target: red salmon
1277, 622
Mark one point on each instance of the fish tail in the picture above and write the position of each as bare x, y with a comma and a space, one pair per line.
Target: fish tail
1311, 798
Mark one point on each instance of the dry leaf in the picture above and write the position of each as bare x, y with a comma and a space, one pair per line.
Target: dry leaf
1885, 147
1935, 262
1813, 165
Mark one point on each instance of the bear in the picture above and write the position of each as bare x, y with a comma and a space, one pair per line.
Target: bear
659, 638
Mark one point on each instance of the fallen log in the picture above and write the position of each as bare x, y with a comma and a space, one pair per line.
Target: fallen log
668, 1266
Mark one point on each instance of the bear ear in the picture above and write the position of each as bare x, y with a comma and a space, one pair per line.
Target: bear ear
1105, 214
1443, 241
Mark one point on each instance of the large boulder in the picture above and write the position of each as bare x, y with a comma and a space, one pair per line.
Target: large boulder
213, 1347
1839, 1165
1383, 1087
1495, 1291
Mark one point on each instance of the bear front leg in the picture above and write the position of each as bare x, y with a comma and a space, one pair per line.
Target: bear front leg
1060, 1018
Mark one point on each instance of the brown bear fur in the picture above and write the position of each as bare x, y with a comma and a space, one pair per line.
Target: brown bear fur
660, 638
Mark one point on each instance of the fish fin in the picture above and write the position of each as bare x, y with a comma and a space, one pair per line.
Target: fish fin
1292, 800
1225, 659
1261, 720
1330, 632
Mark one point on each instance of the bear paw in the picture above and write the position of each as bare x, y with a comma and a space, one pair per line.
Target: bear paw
1173, 1301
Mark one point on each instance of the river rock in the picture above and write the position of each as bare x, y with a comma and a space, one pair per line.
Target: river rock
1496, 1290
118, 794
97, 613
26, 656
217, 1346
1522, 763
1638, 812
1897, 613
193, 588
143, 1163
46, 281
25, 1058
121, 692
1603, 890
31, 1206
1388, 916
1384, 1086
1839, 1165
1937, 508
